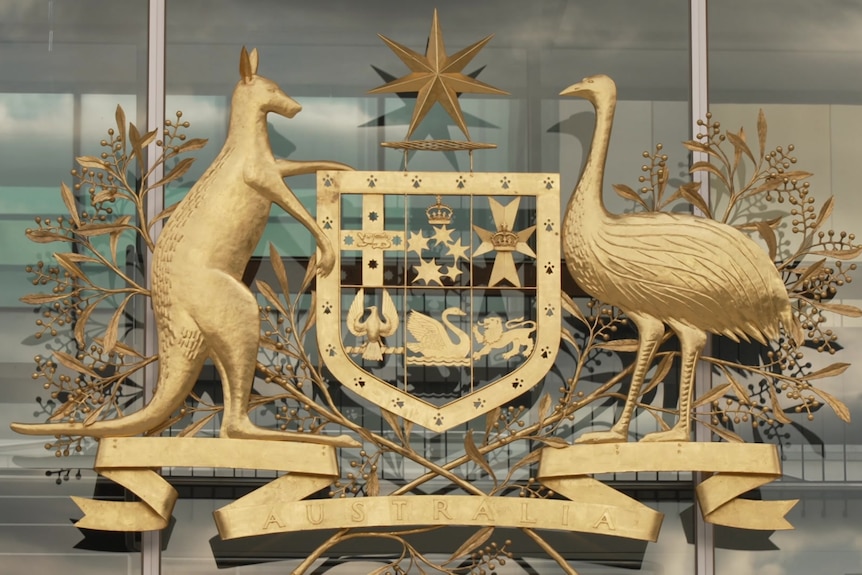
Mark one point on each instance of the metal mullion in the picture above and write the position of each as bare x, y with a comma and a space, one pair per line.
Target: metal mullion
704, 532
151, 541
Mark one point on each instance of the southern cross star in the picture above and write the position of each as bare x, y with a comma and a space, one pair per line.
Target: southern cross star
429, 272
452, 273
443, 235
416, 242
437, 77
504, 263
458, 250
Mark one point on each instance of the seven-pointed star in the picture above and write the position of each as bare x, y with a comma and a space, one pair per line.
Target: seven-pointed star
504, 263
429, 272
437, 77
416, 242
443, 235
458, 250
434, 129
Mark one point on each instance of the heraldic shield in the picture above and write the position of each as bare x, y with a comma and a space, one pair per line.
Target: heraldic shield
445, 300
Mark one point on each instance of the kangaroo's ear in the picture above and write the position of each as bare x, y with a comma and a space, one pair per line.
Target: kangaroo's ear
245, 68
252, 58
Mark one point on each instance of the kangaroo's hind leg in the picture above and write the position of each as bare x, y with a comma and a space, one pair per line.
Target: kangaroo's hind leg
232, 332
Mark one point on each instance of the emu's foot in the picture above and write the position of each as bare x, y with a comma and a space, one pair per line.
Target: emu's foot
250, 431
611, 436
678, 433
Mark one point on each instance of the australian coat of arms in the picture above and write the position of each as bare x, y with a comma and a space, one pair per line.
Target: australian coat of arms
434, 299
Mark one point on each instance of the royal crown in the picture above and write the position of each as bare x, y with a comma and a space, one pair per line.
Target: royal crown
439, 213
504, 240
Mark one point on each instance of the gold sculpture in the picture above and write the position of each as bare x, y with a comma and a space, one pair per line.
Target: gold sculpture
374, 327
437, 78
692, 274
491, 358
438, 342
407, 245
516, 335
504, 241
201, 306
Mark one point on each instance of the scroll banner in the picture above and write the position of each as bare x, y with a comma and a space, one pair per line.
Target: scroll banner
738, 468
279, 506
245, 517
131, 461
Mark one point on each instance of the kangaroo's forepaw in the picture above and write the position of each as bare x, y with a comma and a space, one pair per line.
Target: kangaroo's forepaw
342, 167
326, 263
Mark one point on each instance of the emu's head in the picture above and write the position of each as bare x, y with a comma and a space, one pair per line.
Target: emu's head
591, 88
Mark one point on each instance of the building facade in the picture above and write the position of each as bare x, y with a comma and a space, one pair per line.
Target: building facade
67, 65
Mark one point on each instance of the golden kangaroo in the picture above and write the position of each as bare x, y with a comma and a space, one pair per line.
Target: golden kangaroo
202, 308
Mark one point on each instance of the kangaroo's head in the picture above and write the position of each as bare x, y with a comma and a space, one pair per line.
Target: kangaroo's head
258, 93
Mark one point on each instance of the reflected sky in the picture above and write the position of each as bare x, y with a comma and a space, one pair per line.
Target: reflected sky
827, 539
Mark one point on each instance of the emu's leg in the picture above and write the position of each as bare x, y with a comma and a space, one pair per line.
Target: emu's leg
650, 332
691, 341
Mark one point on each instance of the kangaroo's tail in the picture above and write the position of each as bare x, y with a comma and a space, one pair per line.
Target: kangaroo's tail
142, 421
177, 376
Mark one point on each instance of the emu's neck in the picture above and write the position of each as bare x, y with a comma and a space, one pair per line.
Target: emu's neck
586, 201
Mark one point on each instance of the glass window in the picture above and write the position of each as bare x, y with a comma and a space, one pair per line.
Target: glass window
794, 63
64, 67
825, 536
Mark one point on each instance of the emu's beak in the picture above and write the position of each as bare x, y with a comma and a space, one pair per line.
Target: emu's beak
572, 90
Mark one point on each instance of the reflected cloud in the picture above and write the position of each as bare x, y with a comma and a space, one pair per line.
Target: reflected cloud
200, 111
22, 11
29, 115
827, 535
327, 114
